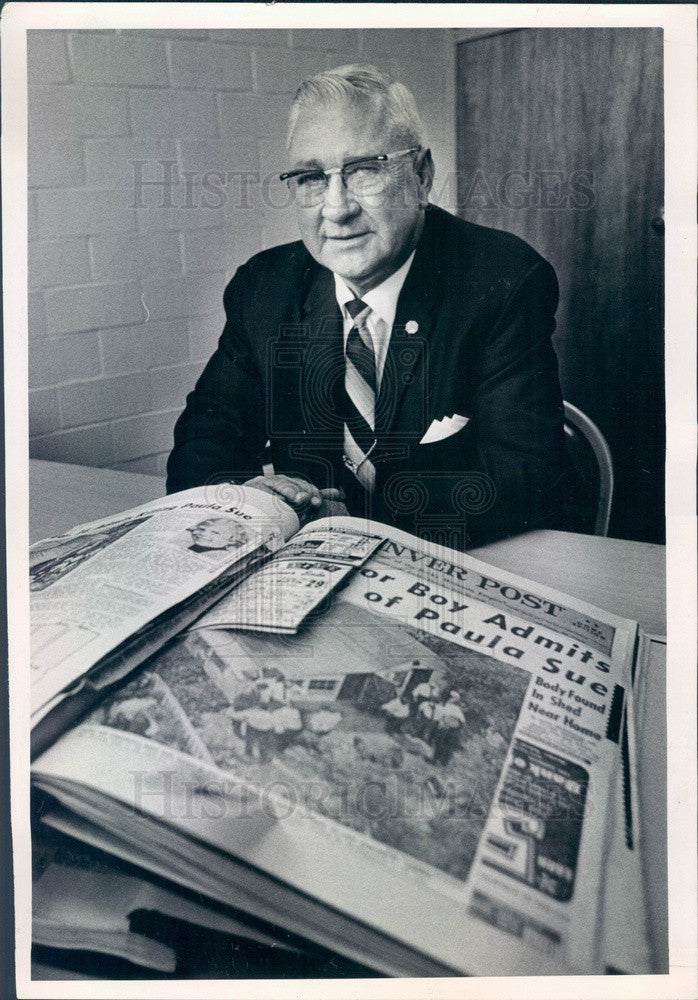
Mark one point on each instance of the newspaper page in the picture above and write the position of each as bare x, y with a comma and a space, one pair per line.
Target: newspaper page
635, 907
651, 716
83, 901
627, 945
95, 587
295, 582
437, 757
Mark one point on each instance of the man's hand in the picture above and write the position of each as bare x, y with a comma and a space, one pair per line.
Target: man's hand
306, 499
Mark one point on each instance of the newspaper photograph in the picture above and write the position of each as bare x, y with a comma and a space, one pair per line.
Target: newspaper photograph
94, 588
435, 755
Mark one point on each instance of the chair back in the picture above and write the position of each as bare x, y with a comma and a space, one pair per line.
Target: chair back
593, 464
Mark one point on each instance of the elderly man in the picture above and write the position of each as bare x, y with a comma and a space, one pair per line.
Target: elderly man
398, 358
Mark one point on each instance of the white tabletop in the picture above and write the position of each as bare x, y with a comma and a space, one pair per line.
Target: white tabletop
627, 578
62, 496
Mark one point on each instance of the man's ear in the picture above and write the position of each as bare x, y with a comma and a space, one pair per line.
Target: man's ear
424, 168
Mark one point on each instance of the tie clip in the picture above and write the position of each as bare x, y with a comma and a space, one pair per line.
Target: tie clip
354, 466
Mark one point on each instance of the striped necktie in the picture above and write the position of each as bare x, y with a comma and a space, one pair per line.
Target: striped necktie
360, 384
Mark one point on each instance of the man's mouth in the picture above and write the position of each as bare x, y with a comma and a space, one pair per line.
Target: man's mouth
346, 237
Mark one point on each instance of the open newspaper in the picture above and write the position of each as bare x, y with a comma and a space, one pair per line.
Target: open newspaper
109, 593
383, 746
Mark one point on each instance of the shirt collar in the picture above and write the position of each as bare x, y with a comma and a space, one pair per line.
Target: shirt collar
383, 298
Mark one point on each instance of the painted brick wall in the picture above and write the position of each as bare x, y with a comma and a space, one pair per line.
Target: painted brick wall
126, 276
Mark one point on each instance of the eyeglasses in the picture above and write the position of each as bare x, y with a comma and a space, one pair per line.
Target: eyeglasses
369, 175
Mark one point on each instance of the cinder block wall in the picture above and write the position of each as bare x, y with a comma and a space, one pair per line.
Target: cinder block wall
126, 277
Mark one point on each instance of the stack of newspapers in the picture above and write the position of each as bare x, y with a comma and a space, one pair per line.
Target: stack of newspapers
334, 744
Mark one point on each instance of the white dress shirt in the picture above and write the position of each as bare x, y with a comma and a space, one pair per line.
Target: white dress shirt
382, 301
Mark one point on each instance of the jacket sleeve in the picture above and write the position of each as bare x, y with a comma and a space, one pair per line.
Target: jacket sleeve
519, 413
221, 434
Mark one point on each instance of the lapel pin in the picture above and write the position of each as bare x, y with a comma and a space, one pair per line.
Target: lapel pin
411, 326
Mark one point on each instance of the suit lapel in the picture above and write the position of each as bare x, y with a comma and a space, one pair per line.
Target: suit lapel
414, 320
323, 373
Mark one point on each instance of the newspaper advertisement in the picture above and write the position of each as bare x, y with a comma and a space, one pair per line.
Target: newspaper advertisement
436, 755
93, 588
295, 582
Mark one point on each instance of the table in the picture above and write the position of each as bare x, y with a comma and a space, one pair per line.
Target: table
625, 577
61, 495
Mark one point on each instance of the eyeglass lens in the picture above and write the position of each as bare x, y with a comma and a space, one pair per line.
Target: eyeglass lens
365, 177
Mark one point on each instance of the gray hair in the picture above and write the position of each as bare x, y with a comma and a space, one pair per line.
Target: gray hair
364, 86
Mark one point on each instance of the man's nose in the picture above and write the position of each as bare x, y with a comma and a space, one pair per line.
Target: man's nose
338, 202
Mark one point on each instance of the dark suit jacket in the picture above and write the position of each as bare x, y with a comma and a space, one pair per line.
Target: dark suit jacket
482, 303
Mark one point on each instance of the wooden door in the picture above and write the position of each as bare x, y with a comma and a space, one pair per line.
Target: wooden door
560, 140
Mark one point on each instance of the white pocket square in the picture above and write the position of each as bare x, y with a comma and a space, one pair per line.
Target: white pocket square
440, 429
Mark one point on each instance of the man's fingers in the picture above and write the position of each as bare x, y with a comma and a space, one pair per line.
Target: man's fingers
258, 483
305, 499
295, 492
